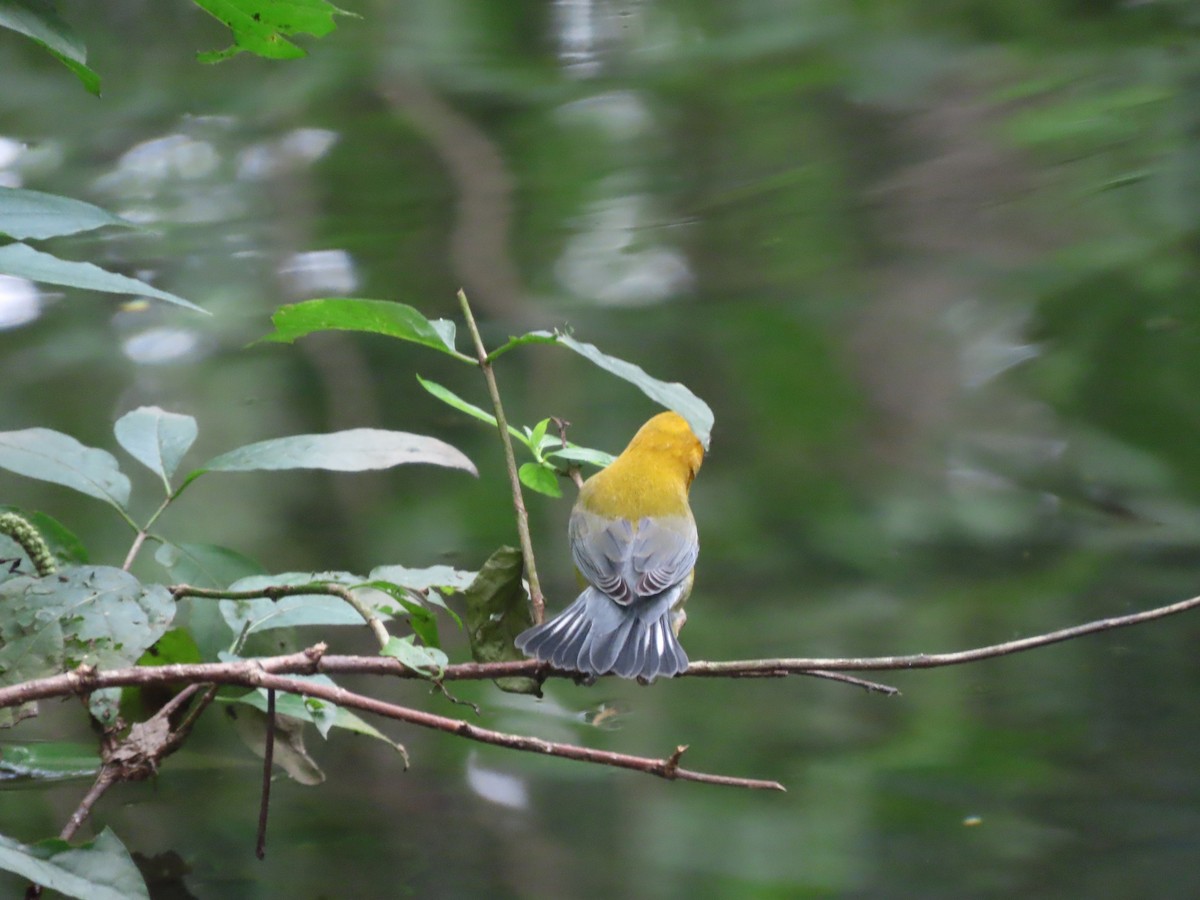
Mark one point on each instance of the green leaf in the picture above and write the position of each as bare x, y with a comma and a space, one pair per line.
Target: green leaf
497, 611
534, 337
32, 214
343, 451
65, 546
290, 754
452, 399
444, 578
303, 708
428, 660
59, 458
98, 870
46, 761
537, 437
156, 438
422, 620
40, 23
26, 658
573, 453
259, 26
672, 395
23, 261
205, 565
138, 703
431, 582
94, 615
373, 316
540, 478
262, 614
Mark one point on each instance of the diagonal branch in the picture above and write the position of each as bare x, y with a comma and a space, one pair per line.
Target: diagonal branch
510, 462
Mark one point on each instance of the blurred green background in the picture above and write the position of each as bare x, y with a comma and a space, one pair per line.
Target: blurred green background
934, 266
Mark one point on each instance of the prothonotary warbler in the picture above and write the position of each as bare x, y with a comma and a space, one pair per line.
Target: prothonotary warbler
634, 542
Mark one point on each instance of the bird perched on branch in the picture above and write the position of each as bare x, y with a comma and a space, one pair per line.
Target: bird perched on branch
634, 543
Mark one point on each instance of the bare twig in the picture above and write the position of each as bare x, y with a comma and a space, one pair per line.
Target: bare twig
131, 759
105, 779
873, 687
663, 768
260, 845
573, 469
510, 462
936, 660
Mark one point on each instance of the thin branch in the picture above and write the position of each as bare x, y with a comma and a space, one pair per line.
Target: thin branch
663, 768
314, 660
260, 845
936, 660
510, 462
871, 687
274, 592
105, 779
140, 753
254, 673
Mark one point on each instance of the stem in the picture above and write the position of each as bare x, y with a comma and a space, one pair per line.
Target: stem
144, 531
260, 845
510, 462
274, 592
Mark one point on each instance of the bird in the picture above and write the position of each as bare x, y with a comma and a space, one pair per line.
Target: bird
634, 544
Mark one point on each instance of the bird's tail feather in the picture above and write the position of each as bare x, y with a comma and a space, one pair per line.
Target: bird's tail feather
630, 647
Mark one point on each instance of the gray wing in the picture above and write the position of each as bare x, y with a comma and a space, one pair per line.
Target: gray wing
628, 563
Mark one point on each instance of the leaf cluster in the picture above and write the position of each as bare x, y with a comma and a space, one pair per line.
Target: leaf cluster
59, 612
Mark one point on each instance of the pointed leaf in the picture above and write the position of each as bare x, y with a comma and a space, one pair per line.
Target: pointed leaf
40, 23
302, 708
260, 26
573, 453
454, 401
540, 478
290, 754
33, 214
99, 870
443, 578
59, 458
537, 437
23, 261
497, 611
672, 395
422, 620
343, 451
156, 438
431, 583
263, 614
428, 660
205, 565
374, 316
